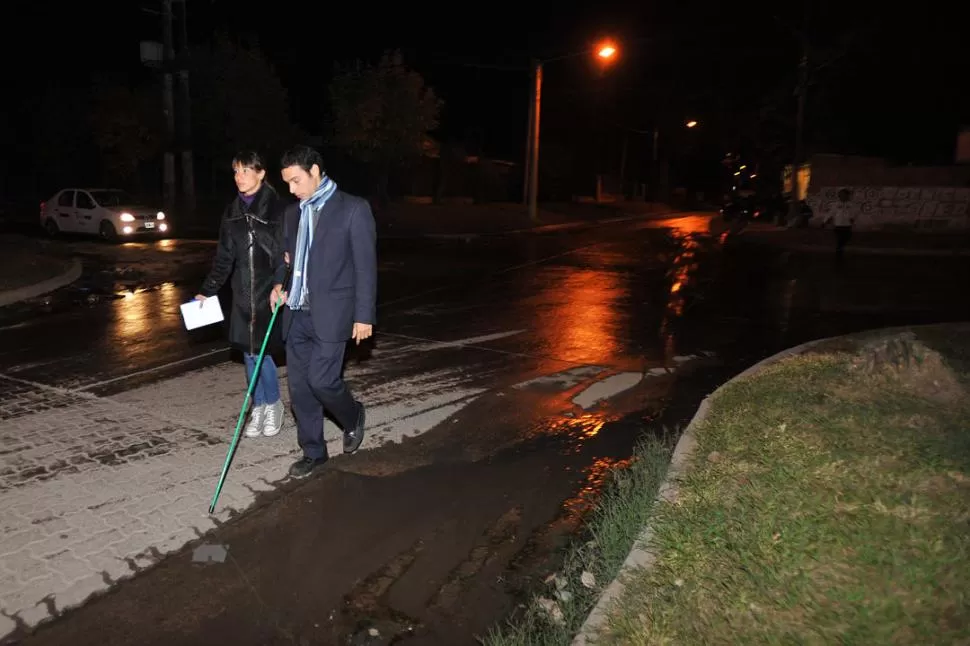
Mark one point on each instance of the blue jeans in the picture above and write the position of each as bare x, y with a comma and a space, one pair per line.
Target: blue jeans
267, 388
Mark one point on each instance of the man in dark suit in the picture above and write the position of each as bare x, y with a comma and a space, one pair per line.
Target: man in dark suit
330, 241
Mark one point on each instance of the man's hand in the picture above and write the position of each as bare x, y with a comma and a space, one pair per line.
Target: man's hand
362, 331
277, 296
201, 298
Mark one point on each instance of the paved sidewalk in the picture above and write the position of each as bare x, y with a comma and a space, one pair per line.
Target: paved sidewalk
96, 489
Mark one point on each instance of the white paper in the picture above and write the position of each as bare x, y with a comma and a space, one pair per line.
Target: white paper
201, 313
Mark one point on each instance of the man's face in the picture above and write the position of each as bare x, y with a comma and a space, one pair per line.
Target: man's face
302, 184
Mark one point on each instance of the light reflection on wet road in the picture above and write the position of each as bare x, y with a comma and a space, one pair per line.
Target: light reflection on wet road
121, 317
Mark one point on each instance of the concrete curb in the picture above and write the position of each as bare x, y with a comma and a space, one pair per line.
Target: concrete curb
640, 556
11, 296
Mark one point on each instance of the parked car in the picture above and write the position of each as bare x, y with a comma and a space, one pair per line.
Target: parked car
109, 213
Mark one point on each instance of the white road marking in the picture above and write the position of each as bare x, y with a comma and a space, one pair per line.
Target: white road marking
147, 371
609, 387
472, 340
563, 380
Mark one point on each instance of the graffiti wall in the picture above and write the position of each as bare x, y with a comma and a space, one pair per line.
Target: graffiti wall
893, 207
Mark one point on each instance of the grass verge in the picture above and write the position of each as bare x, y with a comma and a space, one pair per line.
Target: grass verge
557, 612
826, 503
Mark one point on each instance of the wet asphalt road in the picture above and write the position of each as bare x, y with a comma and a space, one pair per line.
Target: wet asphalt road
433, 540
120, 323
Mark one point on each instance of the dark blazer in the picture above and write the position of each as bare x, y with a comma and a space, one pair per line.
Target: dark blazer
342, 267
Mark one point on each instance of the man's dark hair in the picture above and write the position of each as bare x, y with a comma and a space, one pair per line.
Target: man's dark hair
302, 156
249, 159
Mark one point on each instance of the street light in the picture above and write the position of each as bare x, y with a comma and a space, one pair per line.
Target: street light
605, 51
690, 124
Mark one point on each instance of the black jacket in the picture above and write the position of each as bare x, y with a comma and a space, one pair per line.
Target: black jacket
250, 242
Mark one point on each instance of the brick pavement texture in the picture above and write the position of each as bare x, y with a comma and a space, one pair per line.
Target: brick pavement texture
96, 489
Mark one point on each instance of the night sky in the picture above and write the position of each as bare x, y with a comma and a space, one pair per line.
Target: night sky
898, 84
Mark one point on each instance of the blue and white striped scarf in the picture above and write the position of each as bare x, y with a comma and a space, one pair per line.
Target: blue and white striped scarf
304, 238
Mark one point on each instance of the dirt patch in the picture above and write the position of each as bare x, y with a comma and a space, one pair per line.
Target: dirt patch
906, 362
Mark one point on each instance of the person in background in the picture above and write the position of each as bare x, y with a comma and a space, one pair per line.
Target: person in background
250, 241
842, 217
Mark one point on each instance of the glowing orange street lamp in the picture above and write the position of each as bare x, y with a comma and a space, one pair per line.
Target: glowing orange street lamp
691, 124
605, 51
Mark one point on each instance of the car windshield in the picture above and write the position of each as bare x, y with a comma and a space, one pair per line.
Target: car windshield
112, 198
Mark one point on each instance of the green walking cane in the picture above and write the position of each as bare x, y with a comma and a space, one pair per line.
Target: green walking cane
242, 411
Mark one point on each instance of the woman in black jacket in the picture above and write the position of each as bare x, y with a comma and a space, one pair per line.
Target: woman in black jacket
250, 241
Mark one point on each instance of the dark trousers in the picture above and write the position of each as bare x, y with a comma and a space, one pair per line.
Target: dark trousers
314, 373
842, 237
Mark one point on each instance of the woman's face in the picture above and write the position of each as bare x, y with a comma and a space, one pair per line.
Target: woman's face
248, 179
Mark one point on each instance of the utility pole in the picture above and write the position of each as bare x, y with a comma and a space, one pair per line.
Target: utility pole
626, 141
793, 206
527, 178
185, 114
534, 164
168, 107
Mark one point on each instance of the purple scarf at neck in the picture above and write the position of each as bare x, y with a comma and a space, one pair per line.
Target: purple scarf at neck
248, 199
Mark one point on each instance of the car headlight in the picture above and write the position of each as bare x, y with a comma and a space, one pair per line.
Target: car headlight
160, 215
127, 217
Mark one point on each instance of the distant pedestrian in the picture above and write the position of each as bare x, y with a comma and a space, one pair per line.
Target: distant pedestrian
250, 243
842, 217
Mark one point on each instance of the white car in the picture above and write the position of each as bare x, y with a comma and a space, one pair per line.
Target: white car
109, 213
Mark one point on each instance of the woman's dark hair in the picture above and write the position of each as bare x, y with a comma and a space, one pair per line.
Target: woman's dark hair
249, 159
302, 156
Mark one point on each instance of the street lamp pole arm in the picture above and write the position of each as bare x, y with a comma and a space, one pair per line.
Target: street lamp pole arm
563, 57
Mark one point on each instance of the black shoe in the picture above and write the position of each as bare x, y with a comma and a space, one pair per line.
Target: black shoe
304, 466
355, 436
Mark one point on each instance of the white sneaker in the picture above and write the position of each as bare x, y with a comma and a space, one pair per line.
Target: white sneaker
255, 426
273, 418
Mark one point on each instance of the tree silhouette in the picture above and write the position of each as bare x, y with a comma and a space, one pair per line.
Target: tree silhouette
238, 101
382, 114
127, 128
